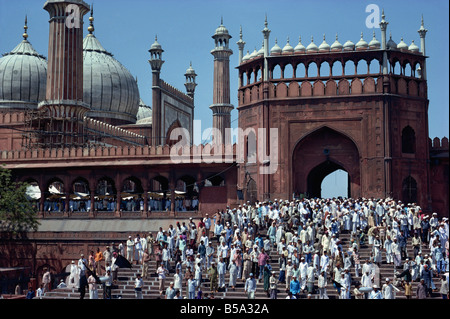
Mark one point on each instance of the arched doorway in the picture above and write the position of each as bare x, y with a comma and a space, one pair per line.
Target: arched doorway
409, 190
251, 191
320, 153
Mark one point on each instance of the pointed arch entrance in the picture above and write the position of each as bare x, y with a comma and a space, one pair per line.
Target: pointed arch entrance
320, 153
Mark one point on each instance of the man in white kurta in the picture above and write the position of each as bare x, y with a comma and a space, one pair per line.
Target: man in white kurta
388, 290
130, 249
388, 249
303, 266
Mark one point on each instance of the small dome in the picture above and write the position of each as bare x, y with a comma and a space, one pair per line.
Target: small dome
254, 54
221, 30
391, 43
336, 46
413, 47
156, 45
261, 51
144, 114
288, 49
324, 46
312, 47
190, 71
299, 48
23, 77
276, 49
246, 57
361, 44
349, 46
374, 43
402, 45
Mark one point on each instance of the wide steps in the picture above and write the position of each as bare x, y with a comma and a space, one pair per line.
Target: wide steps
124, 287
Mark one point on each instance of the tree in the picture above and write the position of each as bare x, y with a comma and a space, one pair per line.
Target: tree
17, 212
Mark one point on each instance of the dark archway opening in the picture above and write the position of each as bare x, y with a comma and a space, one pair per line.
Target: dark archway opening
409, 190
318, 174
251, 191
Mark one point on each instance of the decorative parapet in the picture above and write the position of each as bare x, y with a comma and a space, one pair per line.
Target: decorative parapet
176, 93
8, 117
111, 131
438, 144
162, 154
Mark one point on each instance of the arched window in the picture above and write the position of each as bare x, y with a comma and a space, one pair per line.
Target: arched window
409, 190
337, 68
288, 71
276, 73
408, 140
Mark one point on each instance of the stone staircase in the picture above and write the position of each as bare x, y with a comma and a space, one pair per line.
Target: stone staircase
124, 289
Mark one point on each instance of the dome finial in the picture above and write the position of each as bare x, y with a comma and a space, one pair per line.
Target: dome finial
221, 20
25, 27
91, 20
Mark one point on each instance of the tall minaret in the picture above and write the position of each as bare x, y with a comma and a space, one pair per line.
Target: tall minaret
64, 96
156, 63
221, 106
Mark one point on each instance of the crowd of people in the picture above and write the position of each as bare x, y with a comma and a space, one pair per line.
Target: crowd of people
305, 235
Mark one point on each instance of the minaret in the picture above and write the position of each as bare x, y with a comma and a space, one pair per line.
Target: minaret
156, 63
266, 33
190, 81
383, 27
64, 96
221, 106
241, 45
422, 32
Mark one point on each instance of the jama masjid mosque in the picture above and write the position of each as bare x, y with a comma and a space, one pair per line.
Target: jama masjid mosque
98, 159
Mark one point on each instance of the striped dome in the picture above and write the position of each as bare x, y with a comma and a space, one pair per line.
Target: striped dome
108, 87
23, 77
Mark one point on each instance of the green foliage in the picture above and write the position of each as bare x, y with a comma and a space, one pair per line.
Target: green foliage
17, 212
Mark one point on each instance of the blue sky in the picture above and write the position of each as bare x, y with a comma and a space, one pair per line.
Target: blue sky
184, 28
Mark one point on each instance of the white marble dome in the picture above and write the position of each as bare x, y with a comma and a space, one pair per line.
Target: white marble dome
108, 87
23, 77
